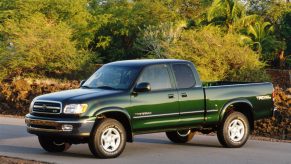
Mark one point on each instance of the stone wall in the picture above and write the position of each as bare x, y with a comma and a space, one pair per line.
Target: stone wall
15, 96
281, 78
278, 126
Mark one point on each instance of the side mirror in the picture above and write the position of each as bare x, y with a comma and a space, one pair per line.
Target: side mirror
82, 82
142, 87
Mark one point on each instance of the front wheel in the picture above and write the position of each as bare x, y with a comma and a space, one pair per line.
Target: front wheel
51, 145
181, 136
108, 139
234, 130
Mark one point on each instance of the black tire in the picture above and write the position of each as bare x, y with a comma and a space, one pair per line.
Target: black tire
51, 145
182, 136
240, 137
104, 128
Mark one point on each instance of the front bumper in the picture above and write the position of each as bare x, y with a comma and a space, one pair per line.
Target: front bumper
55, 126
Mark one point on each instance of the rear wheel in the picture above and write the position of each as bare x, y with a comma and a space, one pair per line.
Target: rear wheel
108, 139
234, 131
181, 136
51, 145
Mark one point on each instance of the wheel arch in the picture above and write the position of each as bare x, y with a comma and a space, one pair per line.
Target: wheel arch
120, 115
242, 105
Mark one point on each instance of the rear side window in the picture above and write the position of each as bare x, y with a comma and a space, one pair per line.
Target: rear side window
184, 76
157, 76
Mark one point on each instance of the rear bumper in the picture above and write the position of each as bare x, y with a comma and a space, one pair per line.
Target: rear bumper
276, 113
56, 126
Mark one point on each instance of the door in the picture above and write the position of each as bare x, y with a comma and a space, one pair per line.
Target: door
191, 96
159, 108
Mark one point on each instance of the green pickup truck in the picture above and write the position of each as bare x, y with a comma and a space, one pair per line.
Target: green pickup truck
127, 98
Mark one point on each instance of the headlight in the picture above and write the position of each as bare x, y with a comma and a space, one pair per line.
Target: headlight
75, 108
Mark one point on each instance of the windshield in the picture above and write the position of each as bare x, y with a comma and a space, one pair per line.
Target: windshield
112, 77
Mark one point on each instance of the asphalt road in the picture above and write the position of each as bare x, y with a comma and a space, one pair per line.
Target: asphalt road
147, 149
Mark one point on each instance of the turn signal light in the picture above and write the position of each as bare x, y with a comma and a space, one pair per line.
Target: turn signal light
67, 127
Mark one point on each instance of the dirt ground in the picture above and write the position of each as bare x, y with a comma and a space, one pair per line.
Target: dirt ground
260, 138
12, 160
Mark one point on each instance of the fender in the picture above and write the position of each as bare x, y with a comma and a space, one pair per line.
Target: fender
231, 102
123, 112
113, 109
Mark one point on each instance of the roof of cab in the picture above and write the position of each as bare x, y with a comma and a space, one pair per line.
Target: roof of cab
144, 62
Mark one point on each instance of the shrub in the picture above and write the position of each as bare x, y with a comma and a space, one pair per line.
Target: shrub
151, 39
40, 46
218, 56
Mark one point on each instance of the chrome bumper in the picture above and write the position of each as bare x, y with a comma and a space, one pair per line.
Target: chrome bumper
276, 113
41, 125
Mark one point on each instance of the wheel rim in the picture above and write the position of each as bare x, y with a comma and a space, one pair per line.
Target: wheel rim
184, 133
110, 139
236, 130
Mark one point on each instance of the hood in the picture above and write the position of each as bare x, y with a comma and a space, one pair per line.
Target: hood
77, 95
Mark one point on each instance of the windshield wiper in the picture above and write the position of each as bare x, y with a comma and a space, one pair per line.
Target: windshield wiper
85, 86
105, 87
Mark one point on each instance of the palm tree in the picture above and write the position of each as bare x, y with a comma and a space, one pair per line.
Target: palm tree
261, 35
261, 38
226, 12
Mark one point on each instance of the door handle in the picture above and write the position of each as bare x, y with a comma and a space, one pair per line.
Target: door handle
184, 94
170, 96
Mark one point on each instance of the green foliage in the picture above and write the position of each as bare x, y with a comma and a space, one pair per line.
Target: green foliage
218, 56
259, 21
152, 39
115, 39
262, 39
75, 14
226, 12
193, 11
46, 38
278, 14
259, 7
63, 38
276, 10
40, 45
231, 14
285, 30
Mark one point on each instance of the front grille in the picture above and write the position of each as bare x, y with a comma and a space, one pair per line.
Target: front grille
49, 107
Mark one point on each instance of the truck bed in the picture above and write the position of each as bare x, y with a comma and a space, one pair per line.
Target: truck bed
219, 94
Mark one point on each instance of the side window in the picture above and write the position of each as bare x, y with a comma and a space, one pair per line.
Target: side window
184, 76
157, 76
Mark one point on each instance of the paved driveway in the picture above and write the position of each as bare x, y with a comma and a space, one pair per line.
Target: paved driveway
147, 149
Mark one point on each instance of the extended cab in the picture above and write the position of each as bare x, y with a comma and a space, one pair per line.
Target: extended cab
126, 98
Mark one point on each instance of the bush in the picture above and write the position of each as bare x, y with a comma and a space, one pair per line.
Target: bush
37, 45
152, 38
218, 56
